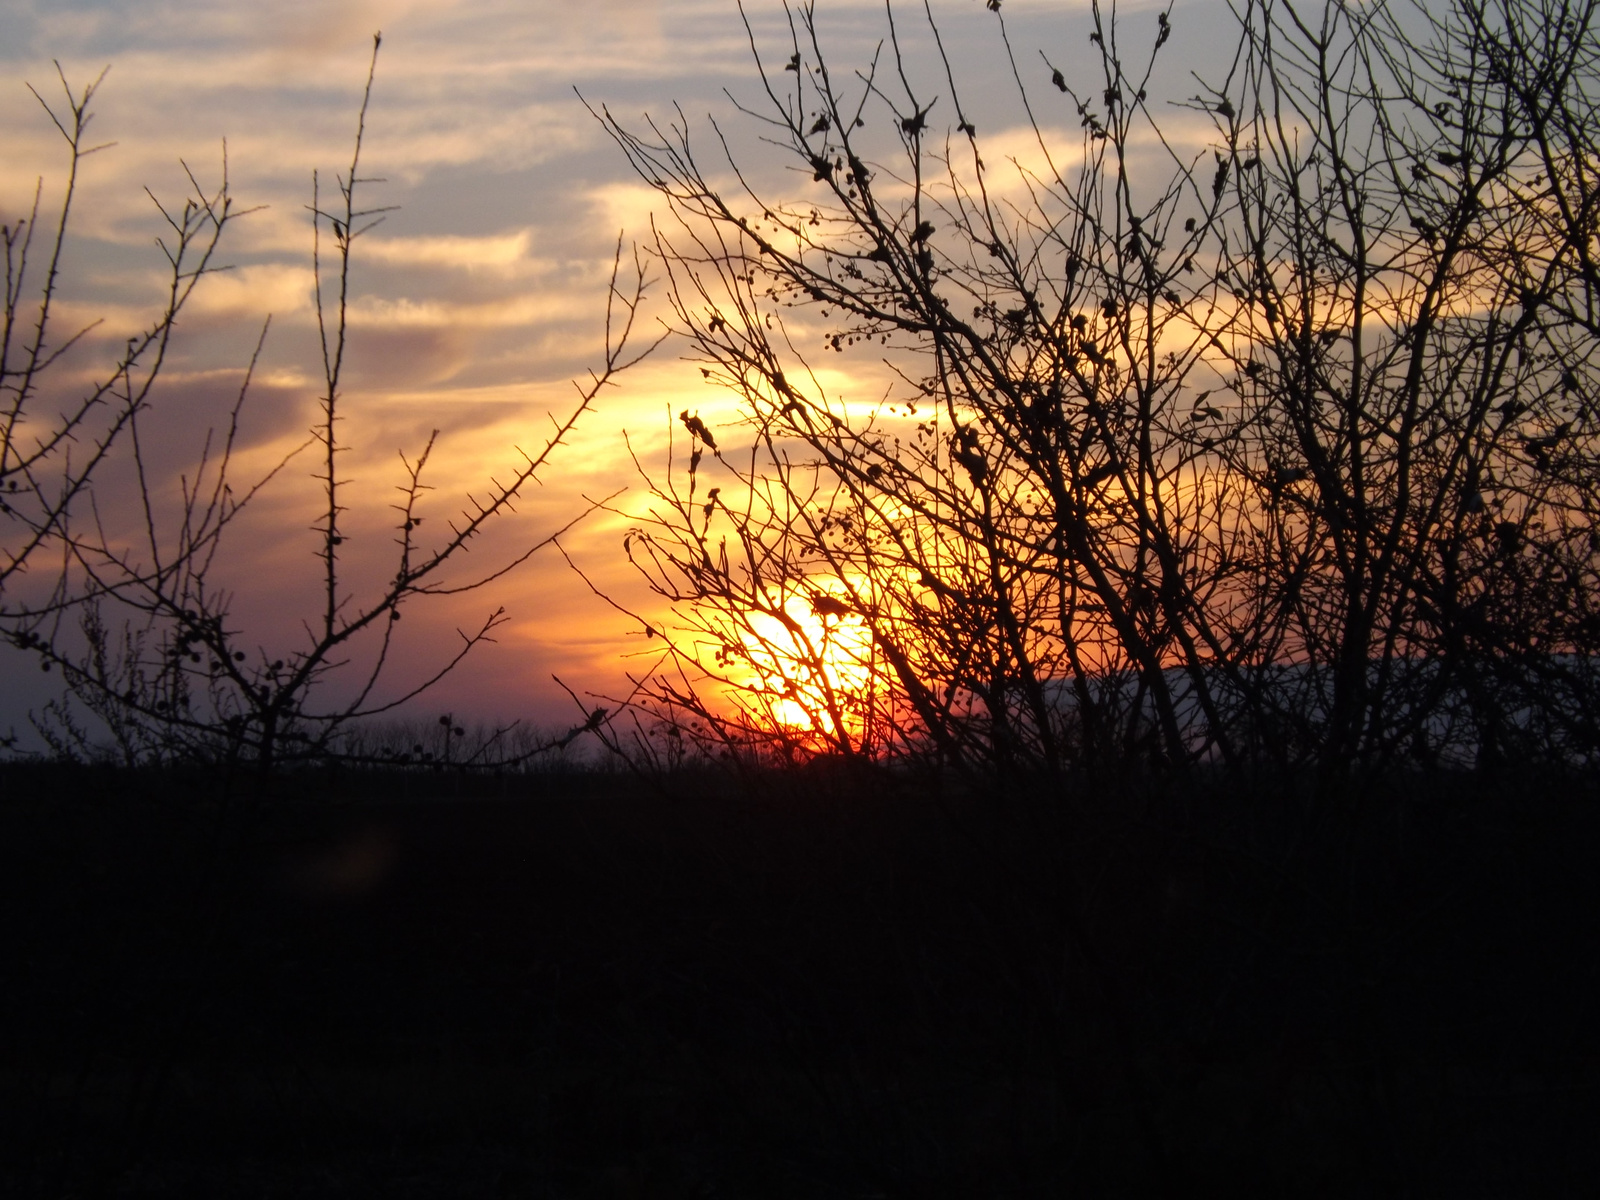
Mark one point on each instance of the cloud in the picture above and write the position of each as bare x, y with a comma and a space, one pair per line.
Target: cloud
504, 253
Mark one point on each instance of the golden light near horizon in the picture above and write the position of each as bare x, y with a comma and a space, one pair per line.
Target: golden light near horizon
813, 669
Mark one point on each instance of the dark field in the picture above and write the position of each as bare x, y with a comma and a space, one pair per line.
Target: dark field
587, 986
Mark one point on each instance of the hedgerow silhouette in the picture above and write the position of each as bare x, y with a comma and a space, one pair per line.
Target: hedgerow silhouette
1256, 427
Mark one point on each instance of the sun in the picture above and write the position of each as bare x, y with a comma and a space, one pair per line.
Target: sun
814, 668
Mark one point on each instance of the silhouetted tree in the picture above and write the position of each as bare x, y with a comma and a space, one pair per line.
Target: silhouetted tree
170, 671
1257, 426
53, 442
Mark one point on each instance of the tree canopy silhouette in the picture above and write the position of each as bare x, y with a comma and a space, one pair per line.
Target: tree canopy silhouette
1254, 423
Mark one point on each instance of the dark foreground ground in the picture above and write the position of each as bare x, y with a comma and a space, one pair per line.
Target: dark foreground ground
583, 987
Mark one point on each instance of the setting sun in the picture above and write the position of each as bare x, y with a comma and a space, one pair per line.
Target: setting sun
814, 669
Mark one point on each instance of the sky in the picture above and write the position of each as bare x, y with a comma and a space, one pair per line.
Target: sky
476, 302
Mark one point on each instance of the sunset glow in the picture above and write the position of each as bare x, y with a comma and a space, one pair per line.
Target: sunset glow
817, 669
474, 304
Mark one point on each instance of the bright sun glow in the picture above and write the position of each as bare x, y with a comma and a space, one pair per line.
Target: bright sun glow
816, 672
